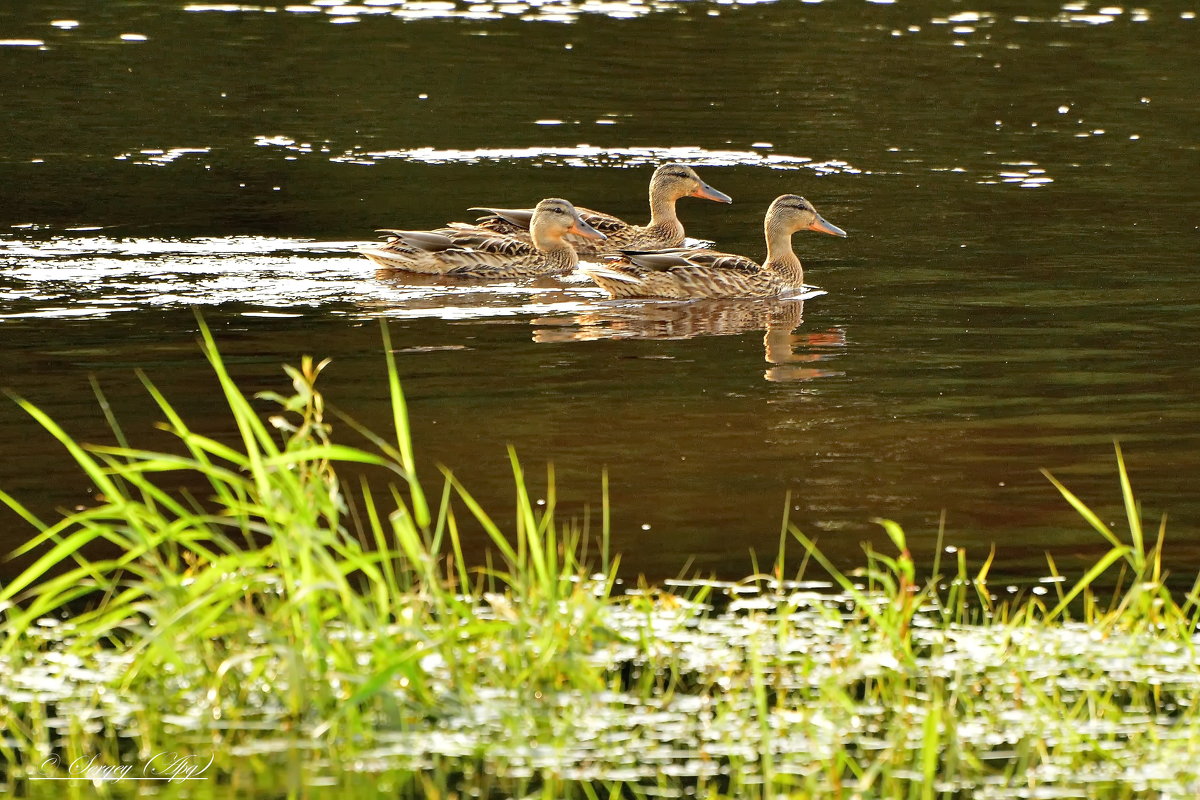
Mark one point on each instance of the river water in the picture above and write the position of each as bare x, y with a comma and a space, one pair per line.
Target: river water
1020, 182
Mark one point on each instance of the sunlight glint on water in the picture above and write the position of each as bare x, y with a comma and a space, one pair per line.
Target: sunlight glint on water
123, 275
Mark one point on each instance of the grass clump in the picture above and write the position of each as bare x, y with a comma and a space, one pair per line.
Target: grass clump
300, 632
283, 592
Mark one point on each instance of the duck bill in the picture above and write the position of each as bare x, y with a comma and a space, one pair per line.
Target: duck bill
709, 193
822, 225
583, 229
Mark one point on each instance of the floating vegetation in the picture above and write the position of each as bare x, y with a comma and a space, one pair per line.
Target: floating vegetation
289, 626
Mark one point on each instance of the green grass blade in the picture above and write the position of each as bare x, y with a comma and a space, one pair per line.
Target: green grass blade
21, 511
894, 532
605, 523
61, 551
404, 432
494, 533
94, 471
256, 439
1084, 511
1132, 513
1096, 571
331, 452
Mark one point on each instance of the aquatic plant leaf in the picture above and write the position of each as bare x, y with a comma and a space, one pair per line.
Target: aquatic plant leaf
1096, 571
1084, 511
1132, 512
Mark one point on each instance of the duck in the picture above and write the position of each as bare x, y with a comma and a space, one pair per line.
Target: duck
668, 183
474, 252
683, 274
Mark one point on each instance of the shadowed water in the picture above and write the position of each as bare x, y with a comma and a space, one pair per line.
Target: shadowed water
1019, 285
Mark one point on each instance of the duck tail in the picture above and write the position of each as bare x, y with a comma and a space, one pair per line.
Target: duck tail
605, 272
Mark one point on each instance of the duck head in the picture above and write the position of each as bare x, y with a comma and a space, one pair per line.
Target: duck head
679, 180
554, 218
790, 212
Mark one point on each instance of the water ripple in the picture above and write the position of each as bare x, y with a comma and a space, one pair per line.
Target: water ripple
534, 10
580, 155
1071, 14
100, 276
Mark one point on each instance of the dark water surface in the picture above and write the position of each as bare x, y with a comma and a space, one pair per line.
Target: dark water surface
1020, 182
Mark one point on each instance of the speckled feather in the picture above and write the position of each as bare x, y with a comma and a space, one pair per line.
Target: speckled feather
710, 275
514, 222
682, 274
471, 251
669, 183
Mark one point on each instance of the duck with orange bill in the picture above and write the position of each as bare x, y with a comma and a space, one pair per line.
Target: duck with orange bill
474, 252
682, 274
669, 183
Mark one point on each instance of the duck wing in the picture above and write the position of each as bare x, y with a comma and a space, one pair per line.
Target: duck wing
461, 237
429, 241
605, 223
499, 218
509, 219
683, 258
462, 249
487, 241
723, 262
658, 260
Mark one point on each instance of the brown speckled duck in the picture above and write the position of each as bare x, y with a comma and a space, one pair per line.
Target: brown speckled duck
474, 252
682, 274
669, 183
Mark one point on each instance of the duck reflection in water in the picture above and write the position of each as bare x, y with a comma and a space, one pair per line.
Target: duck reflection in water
790, 354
